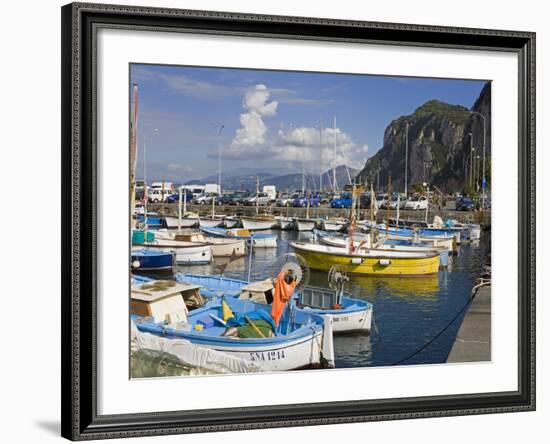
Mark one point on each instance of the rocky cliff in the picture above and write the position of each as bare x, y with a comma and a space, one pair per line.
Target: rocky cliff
439, 146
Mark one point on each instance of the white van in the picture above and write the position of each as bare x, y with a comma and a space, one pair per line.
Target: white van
158, 195
271, 191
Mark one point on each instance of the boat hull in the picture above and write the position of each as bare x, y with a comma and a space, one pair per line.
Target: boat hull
332, 226
285, 223
186, 222
371, 265
152, 262
187, 255
253, 224
210, 223
305, 225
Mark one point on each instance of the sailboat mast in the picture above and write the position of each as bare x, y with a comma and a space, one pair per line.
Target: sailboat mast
133, 149
220, 160
334, 158
321, 156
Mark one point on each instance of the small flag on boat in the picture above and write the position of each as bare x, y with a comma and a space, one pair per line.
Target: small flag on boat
226, 311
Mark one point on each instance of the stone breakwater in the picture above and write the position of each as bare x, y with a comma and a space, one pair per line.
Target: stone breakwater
324, 212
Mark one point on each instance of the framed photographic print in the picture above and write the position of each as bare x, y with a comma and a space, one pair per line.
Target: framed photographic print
278, 221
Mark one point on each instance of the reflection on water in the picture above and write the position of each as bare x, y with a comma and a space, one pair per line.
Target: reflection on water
408, 311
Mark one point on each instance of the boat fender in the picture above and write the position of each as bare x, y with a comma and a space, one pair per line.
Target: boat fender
136, 264
356, 261
384, 262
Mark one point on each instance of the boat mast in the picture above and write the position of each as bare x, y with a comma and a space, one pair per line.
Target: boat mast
133, 152
388, 203
321, 156
303, 164
220, 160
334, 158
179, 211
257, 192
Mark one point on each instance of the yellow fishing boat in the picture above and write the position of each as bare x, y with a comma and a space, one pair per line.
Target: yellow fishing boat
387, 263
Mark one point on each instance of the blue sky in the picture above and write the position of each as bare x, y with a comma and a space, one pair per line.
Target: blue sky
271, 118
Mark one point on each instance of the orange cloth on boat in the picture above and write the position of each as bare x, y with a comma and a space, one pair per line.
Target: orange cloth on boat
283, 293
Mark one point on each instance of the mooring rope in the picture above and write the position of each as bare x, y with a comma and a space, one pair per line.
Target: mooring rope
482, 282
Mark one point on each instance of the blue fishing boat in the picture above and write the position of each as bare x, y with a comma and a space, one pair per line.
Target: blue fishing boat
259, 240
151, 220
349, 314
150, 260
237, 327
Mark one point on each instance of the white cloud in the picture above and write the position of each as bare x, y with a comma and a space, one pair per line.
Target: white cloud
289, 146
250, 138
304, 145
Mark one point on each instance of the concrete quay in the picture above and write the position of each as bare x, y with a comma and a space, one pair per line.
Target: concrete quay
473, 341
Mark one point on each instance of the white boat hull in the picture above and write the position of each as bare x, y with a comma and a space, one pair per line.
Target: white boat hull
333, 226
231, 223
299, 353
358, 321
303, 225
265, 243
186, 252
285, 223
186, 222
257, 224
210, 223
226, 247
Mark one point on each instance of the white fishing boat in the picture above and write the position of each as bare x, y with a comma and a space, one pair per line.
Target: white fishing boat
285, 223
188, 220
210, 222
259, 223
231, 221
259, 240
187, 253
333, 224
221, 247
305, 224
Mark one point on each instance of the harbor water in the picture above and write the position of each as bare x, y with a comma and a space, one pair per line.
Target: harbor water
409, 312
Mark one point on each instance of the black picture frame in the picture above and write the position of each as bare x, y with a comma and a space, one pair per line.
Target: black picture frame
79, 175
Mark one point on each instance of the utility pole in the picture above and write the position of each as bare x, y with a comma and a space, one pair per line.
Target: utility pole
406, 155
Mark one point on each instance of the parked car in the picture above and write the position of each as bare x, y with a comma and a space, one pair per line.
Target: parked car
284, 200
392, 203
364, 201
417, 203
239, 198
205, 198
224, 199
342, 201
325, 198
381, 200
175, 198
302, 201
263, 199
464, 204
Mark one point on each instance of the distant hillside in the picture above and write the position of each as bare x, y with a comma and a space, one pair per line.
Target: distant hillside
284, 182
439, 146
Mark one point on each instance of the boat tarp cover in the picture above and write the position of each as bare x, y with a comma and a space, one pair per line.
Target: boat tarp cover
190, 355
261, 319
